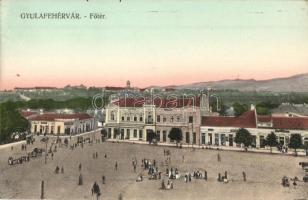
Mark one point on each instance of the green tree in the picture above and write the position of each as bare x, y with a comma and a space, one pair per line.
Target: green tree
264, 108
239, 108
271, 140
175, 134
244, 137
11, 121
295, 142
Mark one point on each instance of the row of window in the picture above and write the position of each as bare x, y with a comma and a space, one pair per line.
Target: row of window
158, 119
136, 133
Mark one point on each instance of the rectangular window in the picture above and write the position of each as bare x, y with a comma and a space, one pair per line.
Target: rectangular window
135, 133
127, 133
158, 136
164, 119
223, 139
281, 140
122, 118
203, 138
178, 119
35, 128
164, 136
262, 141
187, 137
230, 140
158, 118
194, 138
141, 119
217, 139
109, 133
190, 119
51, 129
122, 134
135, 119
128, 118
59, 128
140, 134
210, 139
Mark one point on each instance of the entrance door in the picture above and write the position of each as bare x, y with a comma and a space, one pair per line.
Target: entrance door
254, 140
210, 139
262, 142
231, 140
122, 134
203, 138
187, 137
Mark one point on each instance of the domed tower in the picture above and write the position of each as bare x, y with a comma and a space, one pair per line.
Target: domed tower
128, 84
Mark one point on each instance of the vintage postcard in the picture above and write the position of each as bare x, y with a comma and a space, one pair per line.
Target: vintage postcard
154, 99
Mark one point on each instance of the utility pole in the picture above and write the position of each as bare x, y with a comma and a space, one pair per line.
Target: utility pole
46, 151
42, 190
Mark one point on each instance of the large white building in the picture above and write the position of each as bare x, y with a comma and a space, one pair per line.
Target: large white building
220, 131
62, 124
133, 119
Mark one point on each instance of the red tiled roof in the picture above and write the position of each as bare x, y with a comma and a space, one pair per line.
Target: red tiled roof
246, 120
158, 102
290, 122
53, 116
264, 118
285, 122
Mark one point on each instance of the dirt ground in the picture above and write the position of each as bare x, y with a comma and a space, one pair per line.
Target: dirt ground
264, 173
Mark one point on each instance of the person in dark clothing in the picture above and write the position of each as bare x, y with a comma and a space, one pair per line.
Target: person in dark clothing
116, 166
205, 175
244, 176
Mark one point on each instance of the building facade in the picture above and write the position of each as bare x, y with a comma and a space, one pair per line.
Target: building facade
220, 131
62, 124
134, 119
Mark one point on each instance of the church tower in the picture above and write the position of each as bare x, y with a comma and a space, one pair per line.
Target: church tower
205, 103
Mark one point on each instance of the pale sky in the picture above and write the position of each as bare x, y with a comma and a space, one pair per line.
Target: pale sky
152, 42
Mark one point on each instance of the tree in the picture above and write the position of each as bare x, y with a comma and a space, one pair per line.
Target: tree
175, 134
271, 140
264, 108
11, 121
295, 142
239, 108
244, 137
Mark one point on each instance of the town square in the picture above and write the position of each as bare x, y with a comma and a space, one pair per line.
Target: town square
263, 172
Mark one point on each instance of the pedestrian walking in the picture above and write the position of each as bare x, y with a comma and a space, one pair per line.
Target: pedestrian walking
116, 166
244, 176
205, 175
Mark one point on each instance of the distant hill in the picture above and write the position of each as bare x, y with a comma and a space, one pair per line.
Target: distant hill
297, 83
